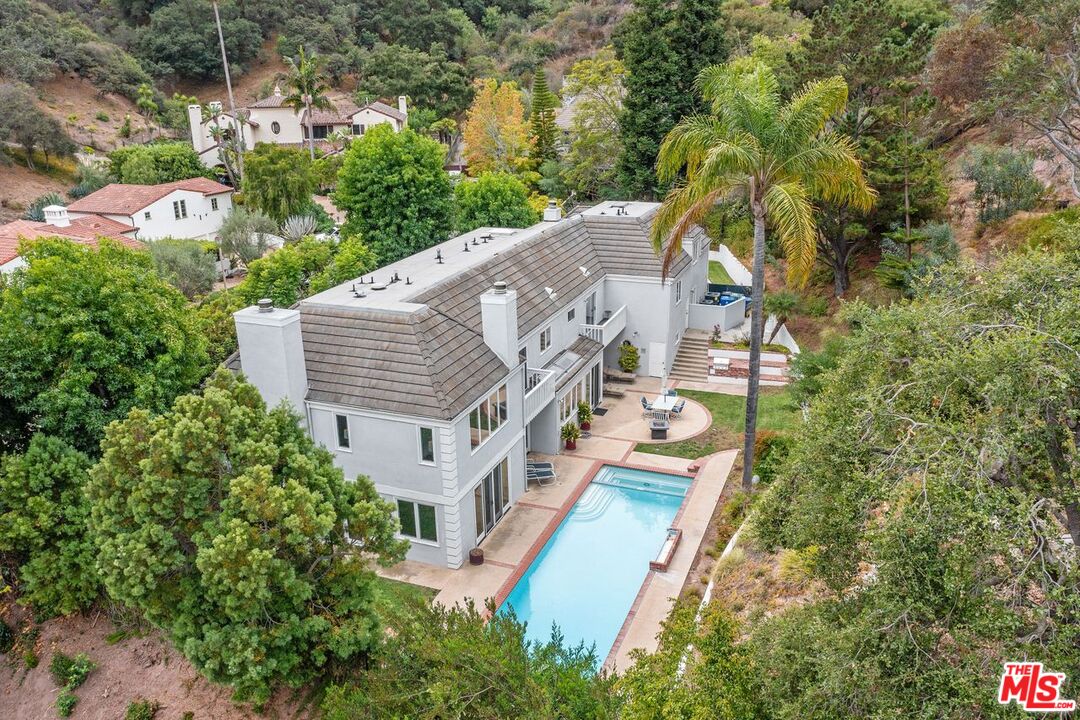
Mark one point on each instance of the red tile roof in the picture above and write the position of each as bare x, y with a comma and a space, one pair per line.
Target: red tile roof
121, 199
85, 231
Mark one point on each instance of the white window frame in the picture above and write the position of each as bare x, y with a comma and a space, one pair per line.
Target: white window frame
416, 521
545, 339
570, 314
347, 447
179, 209
213, 204
678, 291
420, 445
146, 215
482, 422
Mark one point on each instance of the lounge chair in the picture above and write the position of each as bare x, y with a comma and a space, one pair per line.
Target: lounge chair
539, 465
542, 477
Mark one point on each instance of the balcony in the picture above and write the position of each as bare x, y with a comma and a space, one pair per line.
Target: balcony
608, 329
539, 391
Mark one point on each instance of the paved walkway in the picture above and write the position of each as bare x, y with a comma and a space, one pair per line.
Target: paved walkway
519, 536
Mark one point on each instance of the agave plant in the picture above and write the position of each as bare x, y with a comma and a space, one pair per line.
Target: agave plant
297, 227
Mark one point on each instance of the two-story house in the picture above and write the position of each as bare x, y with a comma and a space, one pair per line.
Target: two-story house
270, 120
436, 374
194, 208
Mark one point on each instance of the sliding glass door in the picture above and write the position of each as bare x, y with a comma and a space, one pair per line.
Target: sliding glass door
491, 498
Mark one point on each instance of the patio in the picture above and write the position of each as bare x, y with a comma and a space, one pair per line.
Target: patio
520, 535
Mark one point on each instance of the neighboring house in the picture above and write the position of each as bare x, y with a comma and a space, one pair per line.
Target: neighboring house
57, 223
193, 208
271, 121
436, 374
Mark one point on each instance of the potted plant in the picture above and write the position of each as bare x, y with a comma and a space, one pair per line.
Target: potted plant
476, 556
570, 433
584, 415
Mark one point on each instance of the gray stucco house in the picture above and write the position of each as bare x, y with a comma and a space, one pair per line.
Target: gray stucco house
435, 375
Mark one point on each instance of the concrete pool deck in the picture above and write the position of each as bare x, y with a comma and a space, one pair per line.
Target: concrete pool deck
516, 540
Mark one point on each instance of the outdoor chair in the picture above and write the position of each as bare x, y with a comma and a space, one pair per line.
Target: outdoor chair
676, 410
671, 392
539, 465
541, 477
646, 407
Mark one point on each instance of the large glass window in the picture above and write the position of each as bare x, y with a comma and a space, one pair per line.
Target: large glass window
342, 422
417, 520
491, 498
427, 445
487, 417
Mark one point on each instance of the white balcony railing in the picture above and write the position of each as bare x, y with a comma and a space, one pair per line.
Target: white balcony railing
607, 330
539, 391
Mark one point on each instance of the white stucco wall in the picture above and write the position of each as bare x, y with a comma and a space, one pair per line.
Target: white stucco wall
202, 221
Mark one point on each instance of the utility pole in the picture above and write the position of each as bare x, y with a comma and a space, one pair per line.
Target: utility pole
238, 127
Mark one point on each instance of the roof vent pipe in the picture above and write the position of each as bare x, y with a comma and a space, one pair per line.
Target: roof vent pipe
500, 287
552, 213
266, 305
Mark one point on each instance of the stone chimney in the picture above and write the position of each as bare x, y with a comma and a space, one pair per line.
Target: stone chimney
403, 105
498, 310
272, 353
56, 215
552, 213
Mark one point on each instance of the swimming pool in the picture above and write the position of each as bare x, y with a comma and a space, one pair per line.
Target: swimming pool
588, 573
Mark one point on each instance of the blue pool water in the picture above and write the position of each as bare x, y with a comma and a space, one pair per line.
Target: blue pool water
587, 575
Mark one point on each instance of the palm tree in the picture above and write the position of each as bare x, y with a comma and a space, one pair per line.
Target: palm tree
779, 157
308, 89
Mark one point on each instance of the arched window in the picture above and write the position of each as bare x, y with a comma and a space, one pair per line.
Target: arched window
275, 127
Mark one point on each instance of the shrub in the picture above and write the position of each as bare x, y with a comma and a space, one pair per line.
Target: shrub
142, 709
30, 659
70, 672
65, 703
1004, 181
102, 117
815, 306
184, 264
629, 357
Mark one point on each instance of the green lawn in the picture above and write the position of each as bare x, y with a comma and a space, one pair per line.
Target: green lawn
395, 599
776, 411
718, 275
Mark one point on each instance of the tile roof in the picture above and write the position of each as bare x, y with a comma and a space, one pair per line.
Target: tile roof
343, 111
423, 363
121, 199
432, 361
85, 231
273, 101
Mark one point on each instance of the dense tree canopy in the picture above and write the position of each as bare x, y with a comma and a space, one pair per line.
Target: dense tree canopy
43, 516
496, 134
395, 192
231, 530
931, 489
158, 163
456, 663
278, 180
182, 39
597, 86
493, 200
86, 334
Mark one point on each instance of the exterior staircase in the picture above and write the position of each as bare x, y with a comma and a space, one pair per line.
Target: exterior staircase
692, 359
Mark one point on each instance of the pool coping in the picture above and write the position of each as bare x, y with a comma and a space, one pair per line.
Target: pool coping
534, 550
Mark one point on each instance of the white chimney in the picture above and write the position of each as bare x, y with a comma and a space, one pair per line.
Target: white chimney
277, 91
56, 215
498, 310
194, 113
552, 213
272, 353
403, 105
